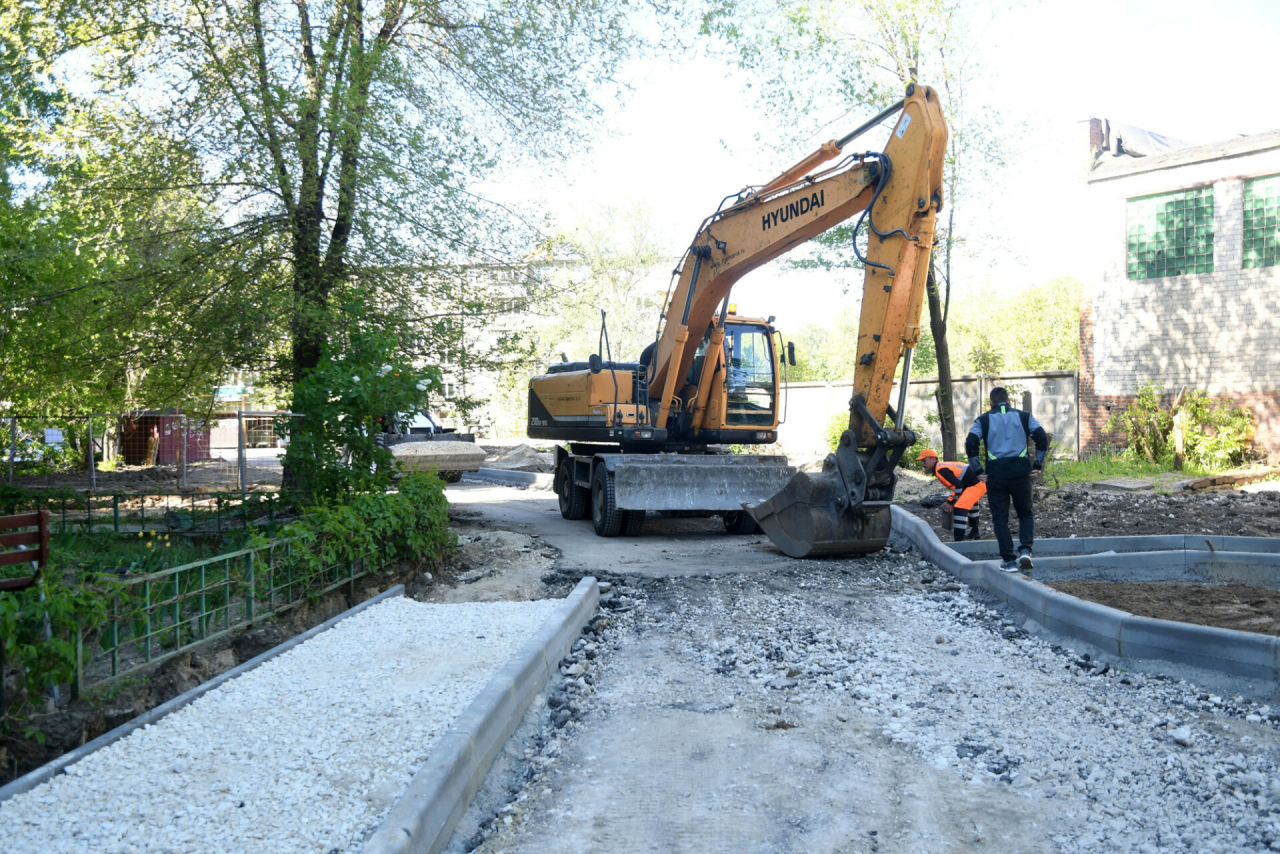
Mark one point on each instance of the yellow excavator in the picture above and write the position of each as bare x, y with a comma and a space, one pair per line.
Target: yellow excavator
640, 434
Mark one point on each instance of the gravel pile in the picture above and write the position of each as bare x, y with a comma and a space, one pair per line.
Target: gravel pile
1114, 760
305, 753
501, 802
1144, 764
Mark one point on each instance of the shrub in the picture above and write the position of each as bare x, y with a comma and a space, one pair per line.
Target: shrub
411, 524
45, 662
1216, 433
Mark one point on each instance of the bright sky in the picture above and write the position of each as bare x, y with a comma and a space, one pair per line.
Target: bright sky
686, 136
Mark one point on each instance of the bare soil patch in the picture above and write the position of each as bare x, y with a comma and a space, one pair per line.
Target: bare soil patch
1085, 511
1227, 606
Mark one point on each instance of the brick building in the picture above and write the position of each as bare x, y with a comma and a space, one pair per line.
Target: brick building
1183, 251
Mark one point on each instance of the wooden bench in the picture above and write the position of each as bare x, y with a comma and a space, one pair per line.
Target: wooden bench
12, 534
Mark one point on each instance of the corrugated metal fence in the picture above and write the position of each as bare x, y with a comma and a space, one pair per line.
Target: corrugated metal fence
1054, 402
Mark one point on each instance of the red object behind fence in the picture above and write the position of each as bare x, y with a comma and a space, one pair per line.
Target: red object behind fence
11, 536
166, 429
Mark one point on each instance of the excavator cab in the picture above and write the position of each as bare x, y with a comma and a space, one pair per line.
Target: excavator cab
752, 387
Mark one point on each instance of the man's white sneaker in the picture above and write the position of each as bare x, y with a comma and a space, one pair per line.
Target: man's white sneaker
1024, 560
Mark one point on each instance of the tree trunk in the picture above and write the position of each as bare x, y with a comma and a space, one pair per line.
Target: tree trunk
946, 408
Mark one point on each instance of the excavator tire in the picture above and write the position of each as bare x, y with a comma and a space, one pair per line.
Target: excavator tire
605, 514
739, 522
574, 500
632, 522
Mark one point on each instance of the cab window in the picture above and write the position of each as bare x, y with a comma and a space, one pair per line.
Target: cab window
749, 353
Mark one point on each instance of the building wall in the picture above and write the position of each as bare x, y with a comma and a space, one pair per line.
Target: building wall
1216, 332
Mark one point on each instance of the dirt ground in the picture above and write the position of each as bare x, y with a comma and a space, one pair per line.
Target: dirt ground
1229, 606
1089, 511
1086, 511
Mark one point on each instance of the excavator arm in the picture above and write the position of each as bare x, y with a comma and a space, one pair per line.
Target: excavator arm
905, 184
845, 508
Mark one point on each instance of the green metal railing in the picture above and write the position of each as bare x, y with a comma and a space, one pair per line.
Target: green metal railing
161, 614
171, 512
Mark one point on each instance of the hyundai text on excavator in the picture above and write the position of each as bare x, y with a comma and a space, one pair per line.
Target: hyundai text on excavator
639, 432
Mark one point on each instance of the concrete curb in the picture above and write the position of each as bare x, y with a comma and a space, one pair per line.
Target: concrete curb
1084, 546
536, 480
1111, 630
423, 820
50, 770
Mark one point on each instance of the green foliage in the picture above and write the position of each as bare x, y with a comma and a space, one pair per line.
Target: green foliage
836, 425
409, 524
1220, 434
1106, 465
1216, 434
229, 174
45, 662
1037, 329
827, 353
1146, 424
333, 448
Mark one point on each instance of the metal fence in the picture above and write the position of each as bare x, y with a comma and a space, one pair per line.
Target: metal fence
188, 513
237, 450
153, 617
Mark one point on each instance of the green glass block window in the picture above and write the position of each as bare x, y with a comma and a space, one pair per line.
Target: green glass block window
1171, 234
1262, 222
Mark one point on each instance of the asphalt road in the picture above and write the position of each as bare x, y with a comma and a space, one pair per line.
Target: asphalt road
667, 547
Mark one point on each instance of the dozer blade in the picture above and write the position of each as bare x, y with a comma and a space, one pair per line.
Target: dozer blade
806, 520
714, 483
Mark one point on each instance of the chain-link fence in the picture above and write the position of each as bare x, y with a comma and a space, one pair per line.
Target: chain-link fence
145, 451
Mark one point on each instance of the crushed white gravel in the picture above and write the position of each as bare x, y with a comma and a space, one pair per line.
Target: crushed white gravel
305, 753
1134, 763
884, 667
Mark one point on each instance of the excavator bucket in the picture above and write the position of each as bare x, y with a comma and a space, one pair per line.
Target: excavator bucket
808, 518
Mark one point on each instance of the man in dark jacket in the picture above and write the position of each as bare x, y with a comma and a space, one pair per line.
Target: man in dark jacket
1005, 431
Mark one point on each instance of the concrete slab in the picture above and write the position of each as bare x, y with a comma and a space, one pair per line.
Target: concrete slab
1125, 484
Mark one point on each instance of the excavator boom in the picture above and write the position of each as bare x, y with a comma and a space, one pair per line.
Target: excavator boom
845, 508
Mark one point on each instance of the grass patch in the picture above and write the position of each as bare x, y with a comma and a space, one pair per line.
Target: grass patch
1108, 466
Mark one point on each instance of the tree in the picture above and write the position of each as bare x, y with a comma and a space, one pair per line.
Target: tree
611, 261
1039, 330
819, 62
331, 145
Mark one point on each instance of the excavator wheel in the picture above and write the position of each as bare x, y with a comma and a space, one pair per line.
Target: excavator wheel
739, 522
575, 501
605, 514
632, 523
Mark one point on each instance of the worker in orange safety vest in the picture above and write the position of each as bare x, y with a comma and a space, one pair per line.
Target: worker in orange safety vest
966, 491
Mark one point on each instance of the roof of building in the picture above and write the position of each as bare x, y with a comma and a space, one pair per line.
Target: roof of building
1109, 167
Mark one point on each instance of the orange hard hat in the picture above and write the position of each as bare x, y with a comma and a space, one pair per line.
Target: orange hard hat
926, 454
